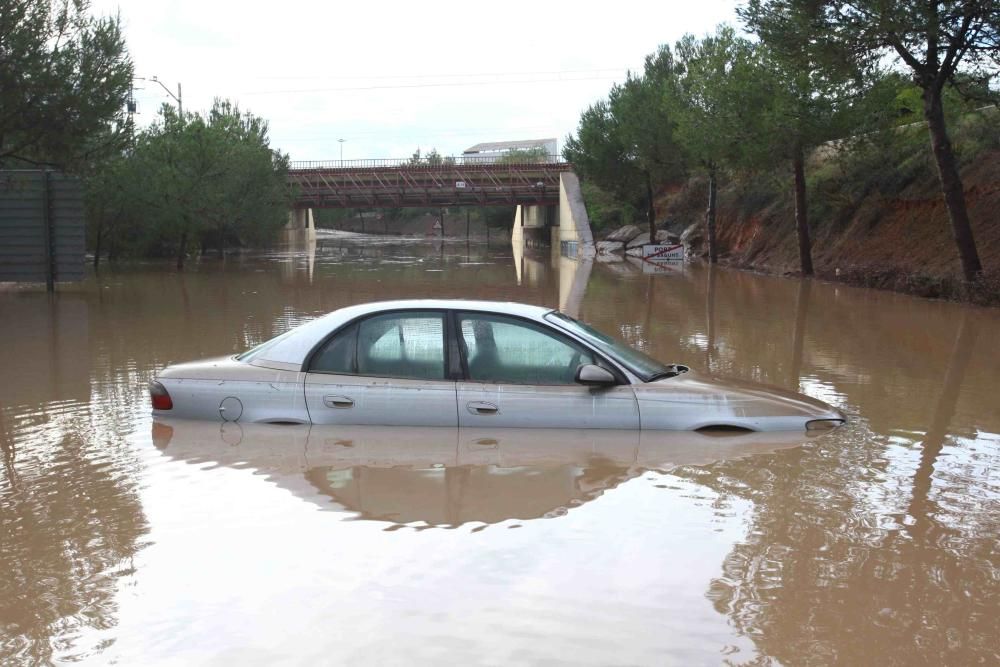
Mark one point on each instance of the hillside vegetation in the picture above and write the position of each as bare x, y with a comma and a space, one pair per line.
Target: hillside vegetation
847, 139
876, 212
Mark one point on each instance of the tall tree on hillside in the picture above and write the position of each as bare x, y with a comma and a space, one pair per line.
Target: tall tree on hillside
64, 80
936, 41
813, 95
721, 98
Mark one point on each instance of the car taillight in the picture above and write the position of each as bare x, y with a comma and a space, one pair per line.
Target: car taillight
162, 433
161, 399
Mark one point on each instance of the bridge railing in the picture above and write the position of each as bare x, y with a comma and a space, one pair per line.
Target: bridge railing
443, 162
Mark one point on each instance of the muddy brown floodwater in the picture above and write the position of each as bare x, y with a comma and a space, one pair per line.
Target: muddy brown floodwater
131, 542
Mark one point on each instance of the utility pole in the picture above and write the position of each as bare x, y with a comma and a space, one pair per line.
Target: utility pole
130, 107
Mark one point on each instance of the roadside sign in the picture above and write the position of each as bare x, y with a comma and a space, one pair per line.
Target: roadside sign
657, 268
663, 268
656, 253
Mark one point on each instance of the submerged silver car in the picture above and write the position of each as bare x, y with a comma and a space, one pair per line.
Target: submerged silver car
470, 364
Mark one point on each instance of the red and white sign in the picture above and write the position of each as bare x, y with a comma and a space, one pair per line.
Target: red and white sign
656, 253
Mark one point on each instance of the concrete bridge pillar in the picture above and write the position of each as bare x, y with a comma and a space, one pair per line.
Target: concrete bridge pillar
301, 224
532, 225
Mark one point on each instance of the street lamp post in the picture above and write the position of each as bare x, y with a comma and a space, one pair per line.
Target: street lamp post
177, 97
341, 142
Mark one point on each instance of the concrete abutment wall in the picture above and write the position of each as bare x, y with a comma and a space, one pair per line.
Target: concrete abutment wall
567, 227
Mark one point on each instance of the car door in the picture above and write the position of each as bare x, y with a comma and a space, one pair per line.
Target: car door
387, 369
521, 374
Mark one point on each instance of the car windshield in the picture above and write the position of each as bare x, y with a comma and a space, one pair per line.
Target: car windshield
645, 367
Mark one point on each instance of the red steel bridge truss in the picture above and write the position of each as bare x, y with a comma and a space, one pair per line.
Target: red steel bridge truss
393, 183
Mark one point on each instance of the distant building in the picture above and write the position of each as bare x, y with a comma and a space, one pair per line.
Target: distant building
497, 150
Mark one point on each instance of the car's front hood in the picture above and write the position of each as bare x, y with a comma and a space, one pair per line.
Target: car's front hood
692, 400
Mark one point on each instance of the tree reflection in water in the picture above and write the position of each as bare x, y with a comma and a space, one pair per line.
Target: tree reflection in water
834, 570
71, 521
70, 514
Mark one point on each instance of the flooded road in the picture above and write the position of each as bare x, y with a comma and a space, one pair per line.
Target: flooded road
124, 541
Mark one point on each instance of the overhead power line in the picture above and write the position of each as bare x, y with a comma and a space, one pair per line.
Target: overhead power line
446, 75
456, 84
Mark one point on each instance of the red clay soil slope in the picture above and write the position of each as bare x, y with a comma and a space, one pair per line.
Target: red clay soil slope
896, 241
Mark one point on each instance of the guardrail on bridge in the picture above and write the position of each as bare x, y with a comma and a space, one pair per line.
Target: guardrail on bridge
422, 163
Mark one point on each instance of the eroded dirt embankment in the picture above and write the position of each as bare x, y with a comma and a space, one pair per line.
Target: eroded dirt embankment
896, 237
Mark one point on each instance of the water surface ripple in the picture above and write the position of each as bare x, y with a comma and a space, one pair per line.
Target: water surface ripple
132, 542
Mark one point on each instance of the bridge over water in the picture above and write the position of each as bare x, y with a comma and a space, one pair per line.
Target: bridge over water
464, 181
546, 192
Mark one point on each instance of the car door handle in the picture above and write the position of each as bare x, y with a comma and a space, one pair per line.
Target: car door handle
338, 401
482, 408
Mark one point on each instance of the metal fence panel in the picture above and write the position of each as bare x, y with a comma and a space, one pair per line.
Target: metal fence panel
69, 242
41, 227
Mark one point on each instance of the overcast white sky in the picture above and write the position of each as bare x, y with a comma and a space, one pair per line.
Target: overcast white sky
389, 76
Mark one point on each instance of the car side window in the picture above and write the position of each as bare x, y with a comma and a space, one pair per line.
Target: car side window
337, 355
402, 345
511, 351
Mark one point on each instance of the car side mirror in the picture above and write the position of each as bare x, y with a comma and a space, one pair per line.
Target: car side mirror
591, 374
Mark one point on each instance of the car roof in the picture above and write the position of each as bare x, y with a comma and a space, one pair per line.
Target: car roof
295, 346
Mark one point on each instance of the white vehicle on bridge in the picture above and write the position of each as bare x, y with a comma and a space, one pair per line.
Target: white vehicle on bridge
469, 364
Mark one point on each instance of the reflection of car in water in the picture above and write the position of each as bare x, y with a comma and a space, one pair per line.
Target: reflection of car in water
450, 476
469, 364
